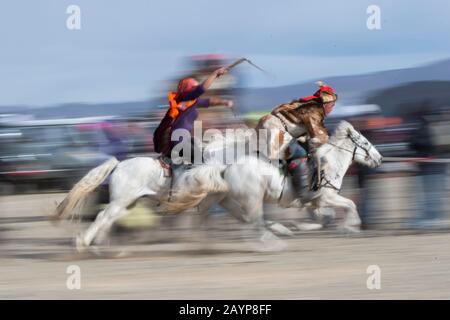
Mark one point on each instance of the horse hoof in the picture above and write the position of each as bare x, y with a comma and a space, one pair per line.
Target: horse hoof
270, 243
353, 229
80, 245
275, 246
279, 229
309, 226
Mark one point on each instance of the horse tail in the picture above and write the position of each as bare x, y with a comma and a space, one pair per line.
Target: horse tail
77, 196
194, 185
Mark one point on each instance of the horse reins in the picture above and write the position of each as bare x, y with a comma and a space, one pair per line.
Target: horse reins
354, 151
327, 183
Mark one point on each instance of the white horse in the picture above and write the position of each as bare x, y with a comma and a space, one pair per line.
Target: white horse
135, 178
253, 181
241, 188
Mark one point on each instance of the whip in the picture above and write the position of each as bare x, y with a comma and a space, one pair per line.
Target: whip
239, 61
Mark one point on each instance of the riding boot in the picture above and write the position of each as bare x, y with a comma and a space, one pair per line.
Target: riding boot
316, 165
300, 178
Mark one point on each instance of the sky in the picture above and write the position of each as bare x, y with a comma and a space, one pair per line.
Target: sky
126, 50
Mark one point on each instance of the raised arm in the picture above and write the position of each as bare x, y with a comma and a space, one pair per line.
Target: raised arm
200, 89
213, 76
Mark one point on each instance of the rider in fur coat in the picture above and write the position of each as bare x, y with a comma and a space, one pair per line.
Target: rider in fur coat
309, 112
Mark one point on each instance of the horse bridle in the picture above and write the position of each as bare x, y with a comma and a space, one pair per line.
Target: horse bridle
328, 183
357, 145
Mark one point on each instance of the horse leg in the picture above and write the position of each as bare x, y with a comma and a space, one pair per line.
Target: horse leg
203, 209
225, 202
352, 220
323, 215
256, 221
233, 208
314, 215
254, 214
115, 210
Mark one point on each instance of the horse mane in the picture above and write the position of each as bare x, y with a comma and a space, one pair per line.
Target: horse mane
337, 138
341, 131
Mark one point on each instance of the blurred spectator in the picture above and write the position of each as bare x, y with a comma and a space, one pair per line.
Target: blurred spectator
432, 174
364, 198
115, 145
366, 128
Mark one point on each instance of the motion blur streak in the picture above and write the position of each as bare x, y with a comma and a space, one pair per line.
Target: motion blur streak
403, 204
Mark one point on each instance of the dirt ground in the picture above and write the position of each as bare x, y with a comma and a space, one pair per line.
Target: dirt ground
174, 262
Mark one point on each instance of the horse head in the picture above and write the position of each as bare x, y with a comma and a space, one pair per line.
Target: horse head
362, 150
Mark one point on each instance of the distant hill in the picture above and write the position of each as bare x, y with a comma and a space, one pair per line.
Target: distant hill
117, 108
413, 97
74, 110
352, 89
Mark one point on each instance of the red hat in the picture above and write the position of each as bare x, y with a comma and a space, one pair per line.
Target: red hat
186, 85
325, 93
323, 88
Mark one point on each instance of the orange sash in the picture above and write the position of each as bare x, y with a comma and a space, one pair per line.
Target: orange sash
175, 108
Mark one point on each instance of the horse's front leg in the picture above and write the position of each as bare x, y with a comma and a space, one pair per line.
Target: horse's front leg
204, 213
323, 215
352, 221
254, 215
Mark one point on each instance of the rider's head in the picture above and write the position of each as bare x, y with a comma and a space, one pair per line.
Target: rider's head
327, 95
186, 85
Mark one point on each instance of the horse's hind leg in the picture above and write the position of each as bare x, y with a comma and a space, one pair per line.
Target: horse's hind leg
233, 208
251, 213
238, 212
203, 209
266, 240
102, 223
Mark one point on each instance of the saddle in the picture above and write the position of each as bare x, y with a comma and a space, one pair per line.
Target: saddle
168, 166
